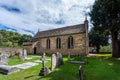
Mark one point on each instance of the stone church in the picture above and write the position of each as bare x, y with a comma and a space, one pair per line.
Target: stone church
66, 40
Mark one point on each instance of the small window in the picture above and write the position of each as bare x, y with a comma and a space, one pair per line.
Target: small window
58, 43
48, 44
70, 42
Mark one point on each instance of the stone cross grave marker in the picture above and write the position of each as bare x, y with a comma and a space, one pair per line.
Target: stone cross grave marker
44, 71
43, 60
53, 61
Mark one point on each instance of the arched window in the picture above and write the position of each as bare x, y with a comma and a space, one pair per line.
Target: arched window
70, 42
58, 43
48, 44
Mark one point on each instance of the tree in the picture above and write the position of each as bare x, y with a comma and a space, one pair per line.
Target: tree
25, 38
105, 16
13, 39
96, 39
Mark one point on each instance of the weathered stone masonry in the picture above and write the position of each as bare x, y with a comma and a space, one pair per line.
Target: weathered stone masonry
72, 39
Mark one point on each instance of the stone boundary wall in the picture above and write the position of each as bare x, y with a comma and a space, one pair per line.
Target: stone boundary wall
9, 50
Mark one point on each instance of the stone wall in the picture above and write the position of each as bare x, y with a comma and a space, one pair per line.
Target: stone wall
10, 50
79, 44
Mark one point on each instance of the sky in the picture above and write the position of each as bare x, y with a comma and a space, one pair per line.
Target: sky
29, 16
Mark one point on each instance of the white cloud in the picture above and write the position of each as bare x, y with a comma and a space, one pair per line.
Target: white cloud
43, 14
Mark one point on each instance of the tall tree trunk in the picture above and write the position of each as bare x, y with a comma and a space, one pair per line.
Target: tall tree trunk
115, 45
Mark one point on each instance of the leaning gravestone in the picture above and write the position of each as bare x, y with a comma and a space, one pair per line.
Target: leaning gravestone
53, 61
4, 59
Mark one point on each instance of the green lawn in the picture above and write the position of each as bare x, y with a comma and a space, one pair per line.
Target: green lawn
104, 68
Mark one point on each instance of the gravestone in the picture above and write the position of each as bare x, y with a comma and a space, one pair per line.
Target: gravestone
20, 55
81, 75
5, 69
69, 57
56, 60
43, 60
4, 59
53, 61
25, 53
59, 59
44, 71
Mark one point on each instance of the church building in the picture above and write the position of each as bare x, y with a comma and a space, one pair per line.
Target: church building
66, 40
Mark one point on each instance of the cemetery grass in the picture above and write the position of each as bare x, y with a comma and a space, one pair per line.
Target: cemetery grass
103, 68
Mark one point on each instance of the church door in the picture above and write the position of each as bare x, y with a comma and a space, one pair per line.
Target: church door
35, 50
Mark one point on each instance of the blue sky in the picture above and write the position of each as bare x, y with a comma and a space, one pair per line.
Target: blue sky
27, 16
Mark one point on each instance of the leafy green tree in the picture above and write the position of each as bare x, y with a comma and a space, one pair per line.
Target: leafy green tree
105, 16
1, 39
25, 38
13, 39
96, 39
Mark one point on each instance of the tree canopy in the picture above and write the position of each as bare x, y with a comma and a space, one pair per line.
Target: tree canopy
105, 17
96, 39
13, 39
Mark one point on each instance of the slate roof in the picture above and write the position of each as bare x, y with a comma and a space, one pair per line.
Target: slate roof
61, 31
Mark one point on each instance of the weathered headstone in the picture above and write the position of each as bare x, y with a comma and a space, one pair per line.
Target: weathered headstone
44, 71
81, 74
21, 57
56, 60
53, 61
59, 59
25, 53
4, 58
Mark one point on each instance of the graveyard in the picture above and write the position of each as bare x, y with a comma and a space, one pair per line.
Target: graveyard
102, 67
60, 40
